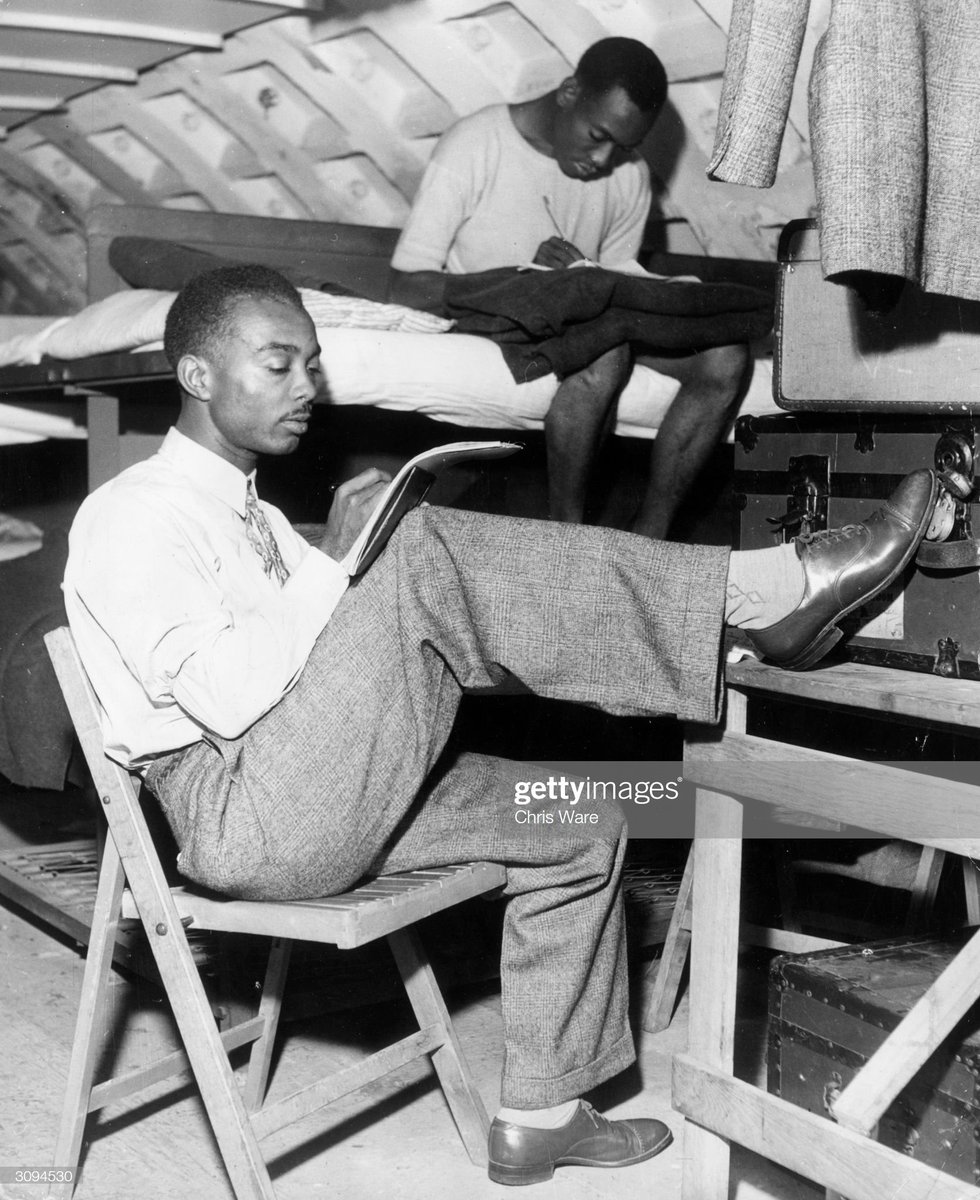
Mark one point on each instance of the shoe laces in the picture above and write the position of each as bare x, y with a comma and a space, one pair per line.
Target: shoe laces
596, 1119
828, 537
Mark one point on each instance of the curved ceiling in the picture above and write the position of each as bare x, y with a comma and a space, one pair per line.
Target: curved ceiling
325, 109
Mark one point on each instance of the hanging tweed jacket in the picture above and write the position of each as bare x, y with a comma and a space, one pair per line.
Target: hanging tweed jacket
895, 128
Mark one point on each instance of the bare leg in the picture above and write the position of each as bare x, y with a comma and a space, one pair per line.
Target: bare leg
575, 426
712, 384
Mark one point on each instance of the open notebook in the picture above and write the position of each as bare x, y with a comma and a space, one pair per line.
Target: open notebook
407, 489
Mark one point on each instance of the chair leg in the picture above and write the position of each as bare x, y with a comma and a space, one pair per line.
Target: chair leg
454, 1075
270, 1007
971, 891
670, 966
212, 1071
789, 907
86, 1045
922, 896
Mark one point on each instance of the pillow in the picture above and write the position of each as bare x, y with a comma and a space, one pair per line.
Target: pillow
28, 347
119, 322
152, 263
353, 312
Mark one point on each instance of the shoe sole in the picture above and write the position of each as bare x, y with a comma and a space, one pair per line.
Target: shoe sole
830, 635
519, 1176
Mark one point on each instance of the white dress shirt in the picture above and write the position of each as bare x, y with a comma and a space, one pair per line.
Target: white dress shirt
178, 626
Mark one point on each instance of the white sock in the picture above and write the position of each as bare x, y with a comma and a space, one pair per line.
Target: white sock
763, 586
540, 1118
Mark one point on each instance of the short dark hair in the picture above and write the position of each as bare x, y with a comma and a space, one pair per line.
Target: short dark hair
626, 63
202, 313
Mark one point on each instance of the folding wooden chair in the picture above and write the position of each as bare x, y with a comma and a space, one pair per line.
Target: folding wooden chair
388, 906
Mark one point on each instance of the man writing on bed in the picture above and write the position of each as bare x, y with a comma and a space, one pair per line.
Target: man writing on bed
555, 180
293, 727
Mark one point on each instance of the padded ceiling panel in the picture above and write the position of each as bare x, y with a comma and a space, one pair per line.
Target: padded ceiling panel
57, 48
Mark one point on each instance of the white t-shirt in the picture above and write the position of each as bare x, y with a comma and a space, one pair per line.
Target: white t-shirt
489, 199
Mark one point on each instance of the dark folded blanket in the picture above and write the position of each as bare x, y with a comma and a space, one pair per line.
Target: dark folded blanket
145, 262
560, 321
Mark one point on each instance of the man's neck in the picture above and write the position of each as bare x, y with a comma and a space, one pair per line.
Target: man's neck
196, 430
534, 120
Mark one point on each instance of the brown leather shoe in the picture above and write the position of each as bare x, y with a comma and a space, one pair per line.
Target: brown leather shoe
520, 1154
844, 568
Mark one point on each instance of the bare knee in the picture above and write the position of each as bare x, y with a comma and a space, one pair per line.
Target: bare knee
583, 400
605, 374
723, 370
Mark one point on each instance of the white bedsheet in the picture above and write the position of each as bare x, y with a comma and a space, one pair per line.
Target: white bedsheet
464, 379
448, 376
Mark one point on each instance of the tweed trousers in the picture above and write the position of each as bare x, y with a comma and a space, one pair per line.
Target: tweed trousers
345, 776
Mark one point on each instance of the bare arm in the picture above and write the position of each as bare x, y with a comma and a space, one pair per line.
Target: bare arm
418, 289
425, 290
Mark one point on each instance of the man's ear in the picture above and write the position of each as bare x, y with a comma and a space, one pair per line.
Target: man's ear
194, 377
568, 92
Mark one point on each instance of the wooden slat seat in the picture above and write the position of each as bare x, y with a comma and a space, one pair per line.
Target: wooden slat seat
350, 919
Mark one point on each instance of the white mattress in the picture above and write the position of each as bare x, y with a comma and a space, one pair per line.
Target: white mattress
448, 376
464, 379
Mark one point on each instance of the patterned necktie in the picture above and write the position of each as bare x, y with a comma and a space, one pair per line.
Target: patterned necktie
261, 537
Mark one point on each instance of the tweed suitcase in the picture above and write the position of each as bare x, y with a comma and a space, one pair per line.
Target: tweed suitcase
829, 1012
802, 472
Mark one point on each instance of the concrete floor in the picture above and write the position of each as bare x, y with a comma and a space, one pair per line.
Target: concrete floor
382, 1143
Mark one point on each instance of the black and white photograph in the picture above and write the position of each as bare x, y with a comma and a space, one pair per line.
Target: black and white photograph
489, 599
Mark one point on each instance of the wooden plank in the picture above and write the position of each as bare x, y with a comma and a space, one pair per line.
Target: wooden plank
29, 102
786, 941
922, 894
100, 27
660, 1007
971, 891
102, 419
801, 1141
911, 694
920, 1032
69, 68
324, 1091
357, 256
82, 376
86, 1044
172, 1066
902, 804
270, 1010
457, 1081
16, 888
714, 971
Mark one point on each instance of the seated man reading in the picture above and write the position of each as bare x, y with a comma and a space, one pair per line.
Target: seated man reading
555, 180
292, 723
